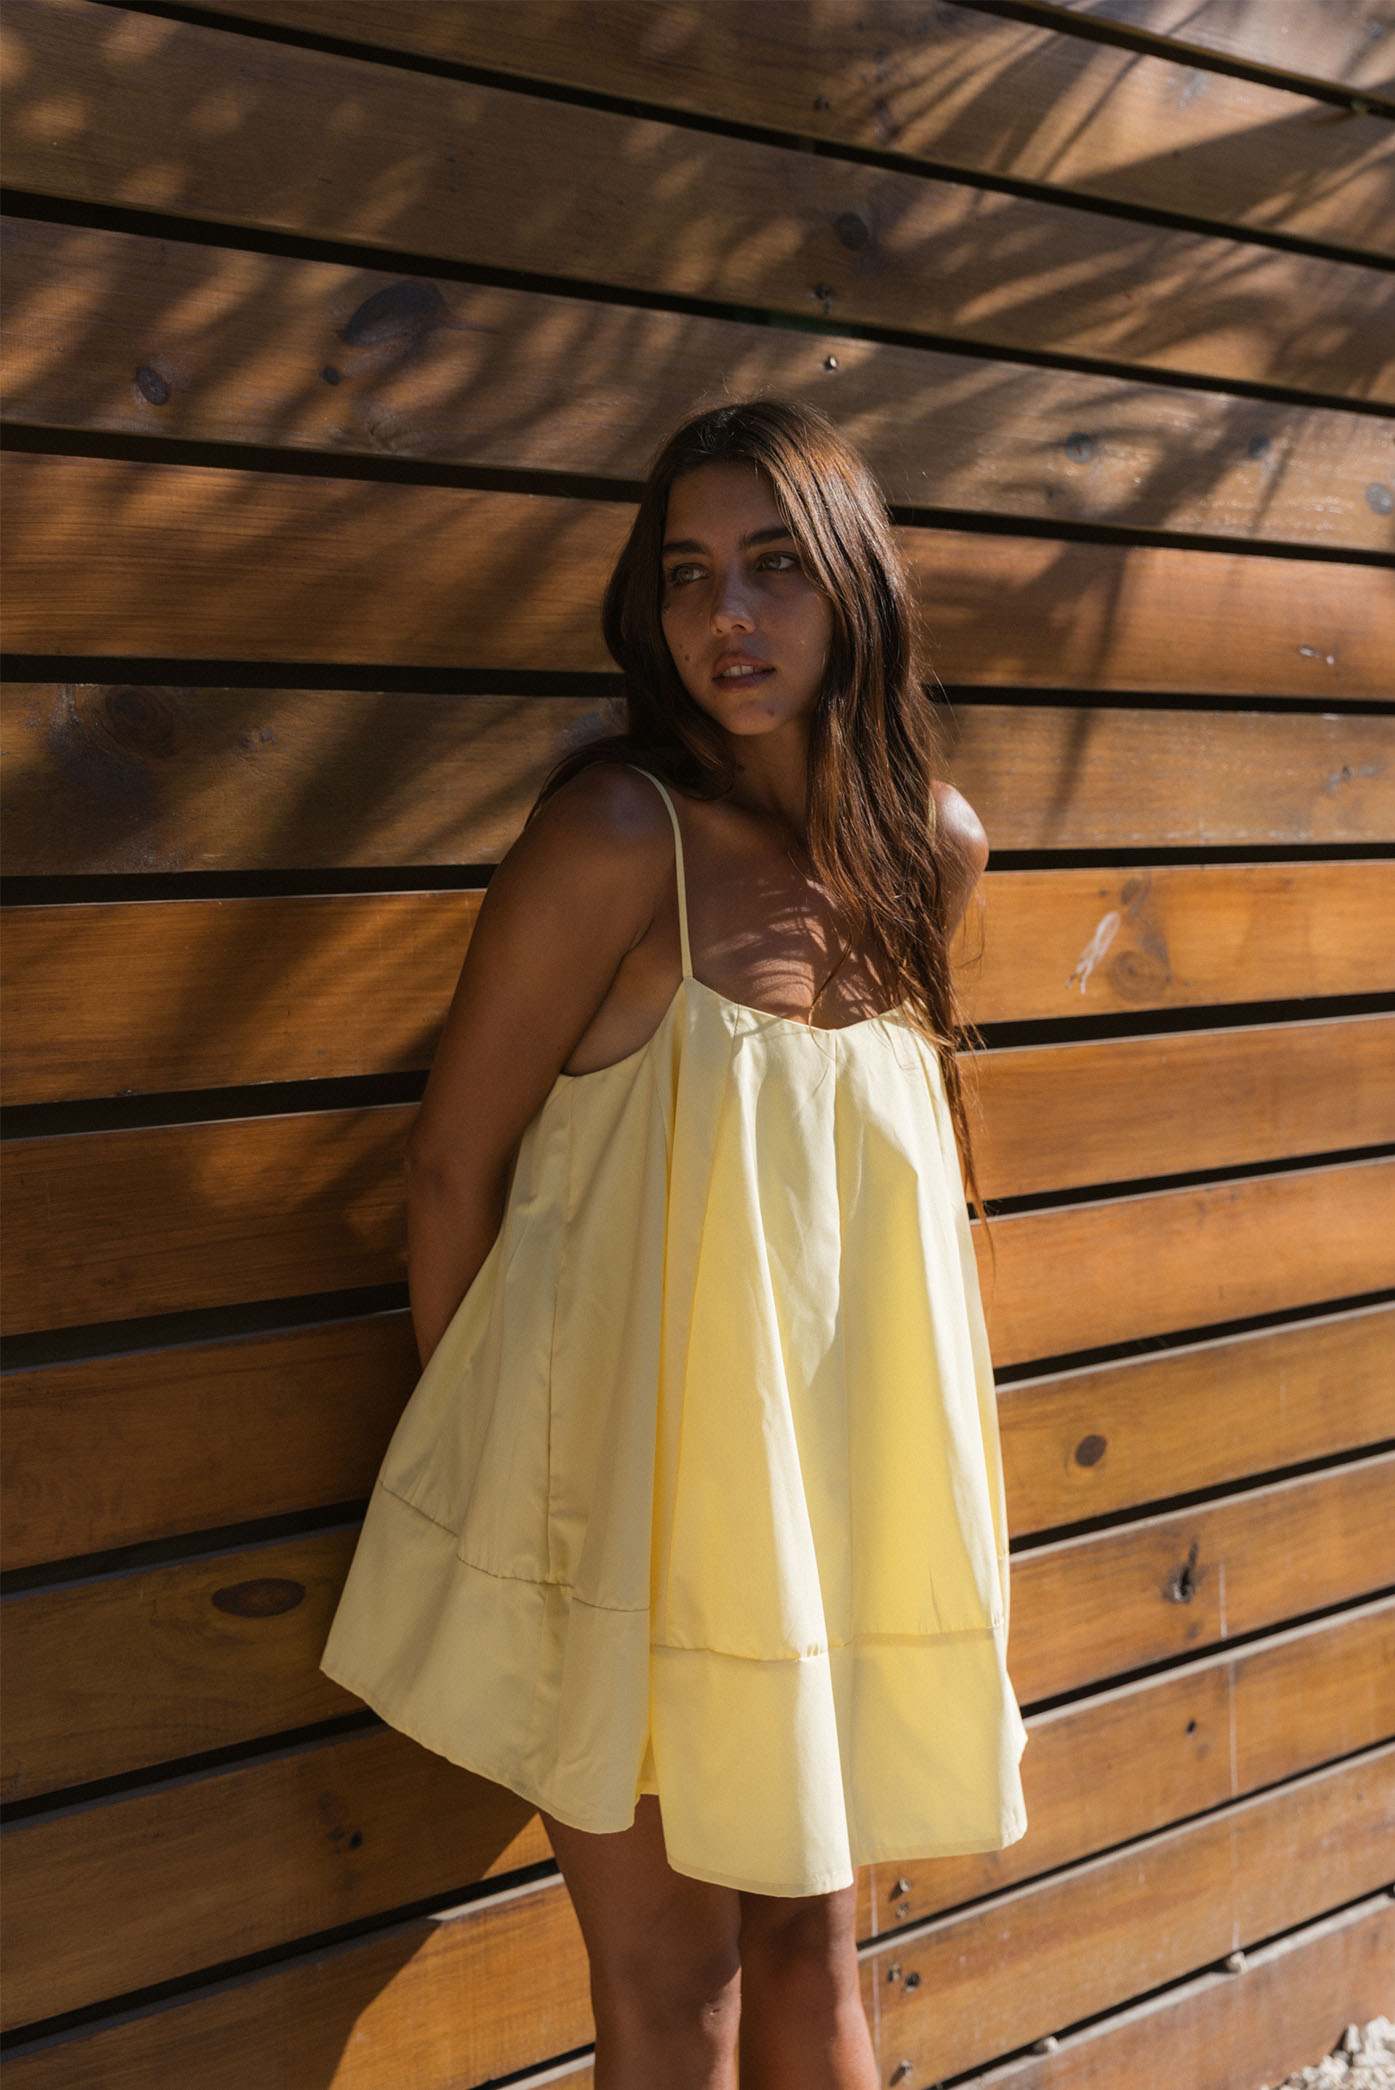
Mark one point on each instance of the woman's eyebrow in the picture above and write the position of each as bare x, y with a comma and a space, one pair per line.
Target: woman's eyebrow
691, 544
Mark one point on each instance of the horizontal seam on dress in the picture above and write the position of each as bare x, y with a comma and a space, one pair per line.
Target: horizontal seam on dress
992, 1632
498, 1574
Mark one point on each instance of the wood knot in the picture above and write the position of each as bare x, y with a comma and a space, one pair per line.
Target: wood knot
139, 722
396, 317
1090, 1450
266, 1596
1181, 1587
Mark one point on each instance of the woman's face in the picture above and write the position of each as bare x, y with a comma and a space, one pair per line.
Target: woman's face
747, 629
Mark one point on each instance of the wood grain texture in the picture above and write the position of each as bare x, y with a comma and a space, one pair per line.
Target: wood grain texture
1088, 1443
1021, 1966
205, 563
1198, 1577
1211, 2032
132, 777
115, 332
133, 997
1347, 43
111, 1451
349, 2016
128, 1670
109, 1226
137, 1669
443, 169
1058, 1116
203, 993
935, 82
1217, 2033
1191, 1258
243, 1860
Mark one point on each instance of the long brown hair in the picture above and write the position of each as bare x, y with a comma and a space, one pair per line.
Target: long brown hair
875, 743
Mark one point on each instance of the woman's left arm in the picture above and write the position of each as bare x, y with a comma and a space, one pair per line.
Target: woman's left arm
958, 817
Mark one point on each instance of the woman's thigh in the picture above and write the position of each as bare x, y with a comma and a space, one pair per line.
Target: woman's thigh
649, 1931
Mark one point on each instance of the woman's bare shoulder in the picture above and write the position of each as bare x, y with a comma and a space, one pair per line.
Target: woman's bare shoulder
602, 837
956, 814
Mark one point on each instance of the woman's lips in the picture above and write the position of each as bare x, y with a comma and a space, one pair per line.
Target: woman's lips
735, 674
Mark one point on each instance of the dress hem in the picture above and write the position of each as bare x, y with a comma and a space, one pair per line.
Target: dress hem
822, 1883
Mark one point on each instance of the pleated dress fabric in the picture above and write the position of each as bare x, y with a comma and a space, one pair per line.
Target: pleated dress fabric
701, 1491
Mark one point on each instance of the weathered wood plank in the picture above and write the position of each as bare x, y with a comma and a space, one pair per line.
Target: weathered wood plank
1080, 1444
1217, 2033
204, 563
1169, 1104
287, 975
307, 142
1023, 1965
212, 1869
1020, 611
1347, 43
120, 998
137, 1669
1188, 1258
212, 345
110, 1451
935, 82
147, 1666
107, 1226
123, 777
987, 1980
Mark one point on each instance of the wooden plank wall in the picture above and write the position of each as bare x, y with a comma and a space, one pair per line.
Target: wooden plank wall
336, 338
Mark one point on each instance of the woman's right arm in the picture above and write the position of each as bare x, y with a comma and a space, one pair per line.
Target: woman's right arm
577, 890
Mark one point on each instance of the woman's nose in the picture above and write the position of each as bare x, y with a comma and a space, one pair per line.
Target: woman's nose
730, 605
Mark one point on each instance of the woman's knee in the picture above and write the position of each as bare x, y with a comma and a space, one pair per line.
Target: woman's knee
800, 1937
668, 1990
663, 1948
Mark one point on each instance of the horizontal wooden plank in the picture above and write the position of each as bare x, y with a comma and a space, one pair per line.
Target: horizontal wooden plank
212, 345
1189, 1258
1024, 1965
1086, 1443
130, 1670
321, 145
212, 564
212, 1869
156, 995
1174, 936
127, 1670
119, 998
985, 1980
1217, 2033
110, 1451
108, 1226
945, 84
1157, 1587
1347, 43
1068, 1115
131, 777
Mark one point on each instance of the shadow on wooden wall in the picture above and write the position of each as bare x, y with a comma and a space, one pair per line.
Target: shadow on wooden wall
337, 338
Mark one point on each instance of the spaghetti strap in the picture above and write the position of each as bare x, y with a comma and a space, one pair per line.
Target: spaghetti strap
682, 879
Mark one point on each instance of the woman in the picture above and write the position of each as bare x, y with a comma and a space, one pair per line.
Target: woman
693, 1532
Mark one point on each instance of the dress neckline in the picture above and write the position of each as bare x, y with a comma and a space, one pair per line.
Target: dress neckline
740, 1008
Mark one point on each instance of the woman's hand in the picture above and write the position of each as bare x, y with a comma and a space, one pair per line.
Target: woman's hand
958, 818
574, 894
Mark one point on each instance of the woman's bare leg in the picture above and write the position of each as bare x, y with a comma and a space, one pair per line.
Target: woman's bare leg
803, 2026
665, 1958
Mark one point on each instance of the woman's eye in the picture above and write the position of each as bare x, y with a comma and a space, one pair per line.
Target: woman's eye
677, 575
780, 562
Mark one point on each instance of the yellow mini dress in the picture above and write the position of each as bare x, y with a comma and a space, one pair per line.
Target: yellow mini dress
701, 1493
